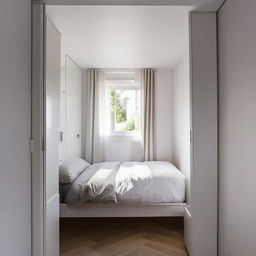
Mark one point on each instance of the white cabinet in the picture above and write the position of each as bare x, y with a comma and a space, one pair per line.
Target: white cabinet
201, 215
73, 108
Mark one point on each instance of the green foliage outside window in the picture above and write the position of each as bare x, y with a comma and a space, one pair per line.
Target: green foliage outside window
122, 120
130, 125
118, 106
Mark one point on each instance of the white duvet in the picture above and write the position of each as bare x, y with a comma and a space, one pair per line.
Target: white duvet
147, 182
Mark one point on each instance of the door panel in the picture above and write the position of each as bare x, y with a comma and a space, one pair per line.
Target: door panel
201, 216
52, 102
188, 228
52, 113
52, 226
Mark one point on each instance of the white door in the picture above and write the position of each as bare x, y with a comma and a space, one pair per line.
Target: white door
73, 108
200, 217
52, 126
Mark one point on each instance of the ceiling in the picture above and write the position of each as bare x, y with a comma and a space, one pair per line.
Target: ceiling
123, 36
198, 5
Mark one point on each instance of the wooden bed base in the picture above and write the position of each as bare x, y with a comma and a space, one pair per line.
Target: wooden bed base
90, 210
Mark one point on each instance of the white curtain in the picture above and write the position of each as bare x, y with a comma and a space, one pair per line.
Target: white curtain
93, 144
148, 88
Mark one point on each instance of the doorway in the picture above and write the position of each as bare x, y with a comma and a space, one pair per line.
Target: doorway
203, 125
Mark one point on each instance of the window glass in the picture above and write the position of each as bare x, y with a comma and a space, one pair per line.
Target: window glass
125, 109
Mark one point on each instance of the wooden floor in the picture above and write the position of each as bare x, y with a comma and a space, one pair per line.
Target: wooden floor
122, 237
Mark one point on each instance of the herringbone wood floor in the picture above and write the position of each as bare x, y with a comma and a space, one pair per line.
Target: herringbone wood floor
122, 237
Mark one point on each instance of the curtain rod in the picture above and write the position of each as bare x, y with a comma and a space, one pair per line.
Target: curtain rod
123, 69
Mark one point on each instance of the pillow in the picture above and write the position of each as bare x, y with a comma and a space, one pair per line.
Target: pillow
70, 169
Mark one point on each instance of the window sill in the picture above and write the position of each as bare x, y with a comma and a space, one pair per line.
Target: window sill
125, 134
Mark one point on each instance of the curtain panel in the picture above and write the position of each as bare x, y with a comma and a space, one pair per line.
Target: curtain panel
93, 141
148, 91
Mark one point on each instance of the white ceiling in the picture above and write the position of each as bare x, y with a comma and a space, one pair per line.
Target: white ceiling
123, 37
198, 5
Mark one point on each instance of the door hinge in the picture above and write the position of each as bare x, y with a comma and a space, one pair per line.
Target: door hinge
31, 145
43, 144
61, 136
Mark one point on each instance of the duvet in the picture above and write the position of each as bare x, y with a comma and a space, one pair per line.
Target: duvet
129, 182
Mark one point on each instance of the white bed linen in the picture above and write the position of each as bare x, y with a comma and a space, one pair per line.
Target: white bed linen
147, 182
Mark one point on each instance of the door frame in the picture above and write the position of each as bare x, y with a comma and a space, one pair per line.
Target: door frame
201, 68
38, 130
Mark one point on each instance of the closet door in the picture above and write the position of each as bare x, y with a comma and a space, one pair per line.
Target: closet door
73, 75
52, 113
200, 217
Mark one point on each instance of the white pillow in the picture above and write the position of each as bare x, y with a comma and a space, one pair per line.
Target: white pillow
70, 169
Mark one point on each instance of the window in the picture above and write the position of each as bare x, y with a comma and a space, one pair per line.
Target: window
123, 106
125, 109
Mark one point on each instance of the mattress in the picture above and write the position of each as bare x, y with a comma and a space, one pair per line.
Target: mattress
128, 182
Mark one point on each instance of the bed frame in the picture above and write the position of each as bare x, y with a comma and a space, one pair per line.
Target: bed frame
90, 210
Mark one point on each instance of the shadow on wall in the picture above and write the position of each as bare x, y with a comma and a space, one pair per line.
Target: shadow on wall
123, 148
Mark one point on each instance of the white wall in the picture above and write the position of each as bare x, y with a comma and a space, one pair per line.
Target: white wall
237, 126
15, 82
163, 115
123, 148
181, 116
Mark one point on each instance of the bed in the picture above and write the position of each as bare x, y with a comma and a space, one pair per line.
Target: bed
124, 189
